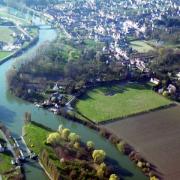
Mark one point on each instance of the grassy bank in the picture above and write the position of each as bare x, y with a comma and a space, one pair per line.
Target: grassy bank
4, 54
60, 155
106, 103
5, 162
35, 136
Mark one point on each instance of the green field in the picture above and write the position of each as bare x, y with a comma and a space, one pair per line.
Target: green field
35, 137
4, 13
117, 101
141, 46
5, 34
4, 54
5, 162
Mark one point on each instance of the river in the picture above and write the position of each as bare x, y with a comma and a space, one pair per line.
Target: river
12, 110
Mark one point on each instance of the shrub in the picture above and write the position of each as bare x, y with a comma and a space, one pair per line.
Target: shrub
121, 146
53, 138
65, 133
73, 137
98, 155
113, 177
76, 145
90, 145
60, 128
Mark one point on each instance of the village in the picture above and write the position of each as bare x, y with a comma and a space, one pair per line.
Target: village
111, 22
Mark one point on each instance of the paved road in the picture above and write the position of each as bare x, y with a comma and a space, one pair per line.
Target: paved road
24, 32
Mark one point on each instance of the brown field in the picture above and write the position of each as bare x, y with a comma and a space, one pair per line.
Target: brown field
156, 136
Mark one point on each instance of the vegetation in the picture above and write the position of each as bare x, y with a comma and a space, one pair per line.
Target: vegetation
98, 156
106, 103
63, 155
141, 46
5, 162
4, 54
31, 132
113, 177
54, 64
6, 34
166, 67
14, 19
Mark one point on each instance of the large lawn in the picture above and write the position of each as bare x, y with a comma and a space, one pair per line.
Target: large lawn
35, 136
6, 34
117, 101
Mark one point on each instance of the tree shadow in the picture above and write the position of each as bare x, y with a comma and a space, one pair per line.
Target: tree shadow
139, 86
117, 169
8, 153
112, 90
34, 164
115, 88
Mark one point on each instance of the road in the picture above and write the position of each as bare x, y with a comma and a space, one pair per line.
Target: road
9, 146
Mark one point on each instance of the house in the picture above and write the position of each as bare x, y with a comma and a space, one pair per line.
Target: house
178, 75
155, 81
171, 89
1, 148
56, 88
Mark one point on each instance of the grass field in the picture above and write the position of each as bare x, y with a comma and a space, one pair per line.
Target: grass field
140, 46
35, 137
107, 103
4, 54
4, 13
5, 162
5, 34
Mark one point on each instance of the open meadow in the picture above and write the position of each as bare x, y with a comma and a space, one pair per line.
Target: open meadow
118, 101
6, 34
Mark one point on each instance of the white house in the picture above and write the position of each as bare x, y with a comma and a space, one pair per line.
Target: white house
1, 148
155, 81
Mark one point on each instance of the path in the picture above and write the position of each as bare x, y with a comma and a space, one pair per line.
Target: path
9, 146
68, 104
24, 32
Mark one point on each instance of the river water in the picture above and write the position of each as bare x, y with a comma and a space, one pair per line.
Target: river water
12, 110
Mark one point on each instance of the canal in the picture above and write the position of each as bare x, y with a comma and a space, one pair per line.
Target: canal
12, 110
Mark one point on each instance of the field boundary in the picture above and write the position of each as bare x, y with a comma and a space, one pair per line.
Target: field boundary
137, 114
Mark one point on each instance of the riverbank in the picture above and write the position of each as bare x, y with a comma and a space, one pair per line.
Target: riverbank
10, 166
61, 152
123, 146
